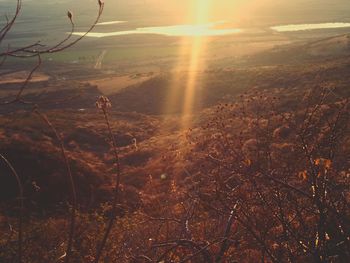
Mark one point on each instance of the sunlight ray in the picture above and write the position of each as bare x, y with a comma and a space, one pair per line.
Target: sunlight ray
189, 65
198, 46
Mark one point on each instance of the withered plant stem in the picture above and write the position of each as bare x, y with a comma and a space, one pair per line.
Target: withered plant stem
71, 184
20, 216
116, 188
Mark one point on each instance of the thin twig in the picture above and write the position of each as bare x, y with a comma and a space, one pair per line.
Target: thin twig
104, 104
71, 183
28, 52
225, 243
20, 217
9, 24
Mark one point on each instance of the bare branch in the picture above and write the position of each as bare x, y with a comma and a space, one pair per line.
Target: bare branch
30, 52
20, 217
9, 24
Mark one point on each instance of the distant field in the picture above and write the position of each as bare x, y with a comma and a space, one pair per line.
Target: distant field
113, 85
228, 46
20, 76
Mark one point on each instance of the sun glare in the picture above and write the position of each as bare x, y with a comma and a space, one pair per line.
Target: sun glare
198, 46
191, 52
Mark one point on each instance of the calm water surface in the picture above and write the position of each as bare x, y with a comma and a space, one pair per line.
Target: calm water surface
303, 27
209, 29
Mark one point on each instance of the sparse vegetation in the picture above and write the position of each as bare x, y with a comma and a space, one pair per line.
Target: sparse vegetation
262, 174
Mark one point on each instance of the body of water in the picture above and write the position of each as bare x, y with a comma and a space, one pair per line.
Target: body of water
202, 30
111, 23
303, 27
209, 29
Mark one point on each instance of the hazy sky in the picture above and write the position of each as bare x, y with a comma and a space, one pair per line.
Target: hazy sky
248, 11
